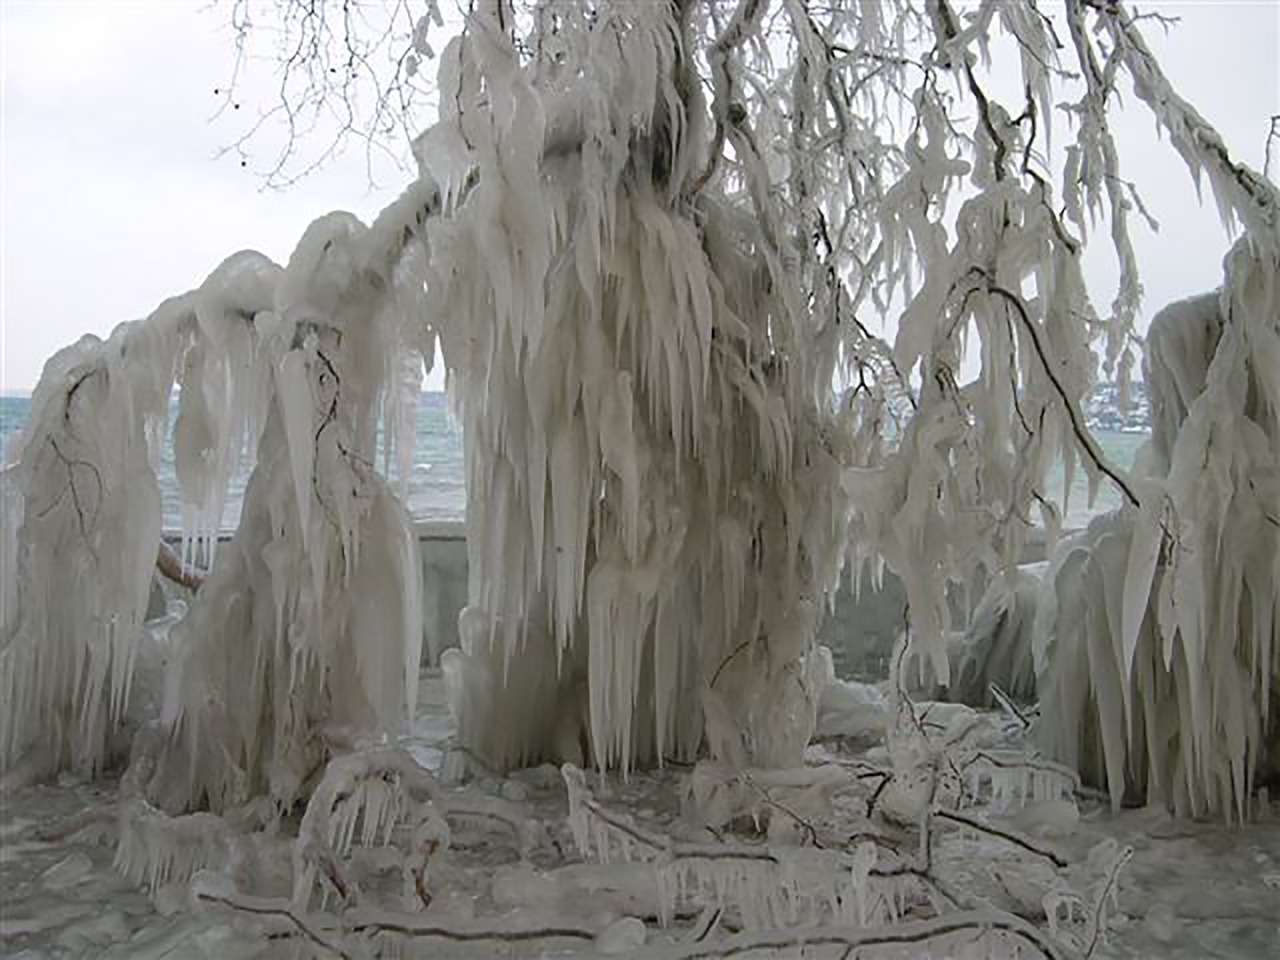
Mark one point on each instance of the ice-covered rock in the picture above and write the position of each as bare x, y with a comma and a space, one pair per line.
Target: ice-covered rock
621, 937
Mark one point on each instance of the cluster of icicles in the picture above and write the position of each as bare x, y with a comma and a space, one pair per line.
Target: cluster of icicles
659, 483
654, 515
654, 510
309, 624
1157, 638
1151, 639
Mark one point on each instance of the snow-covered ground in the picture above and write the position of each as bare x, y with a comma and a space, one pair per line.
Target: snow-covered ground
512, 881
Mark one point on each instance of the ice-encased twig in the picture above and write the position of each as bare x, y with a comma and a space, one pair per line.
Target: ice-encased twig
378, 788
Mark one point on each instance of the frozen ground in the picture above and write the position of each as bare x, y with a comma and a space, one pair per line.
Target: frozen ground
1191, 890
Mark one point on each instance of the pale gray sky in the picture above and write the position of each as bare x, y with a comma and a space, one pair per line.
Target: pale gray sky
112, 199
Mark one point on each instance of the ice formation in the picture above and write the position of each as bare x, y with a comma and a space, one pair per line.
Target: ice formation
797, 886
654, 502
676, 420
645, 299
310, 621
769, 886
848, 708
672, 407
992, 658
82, 517
1158, 638
379, 789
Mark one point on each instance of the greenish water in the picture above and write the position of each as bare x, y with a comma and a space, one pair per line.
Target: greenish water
1120, 449
437, 486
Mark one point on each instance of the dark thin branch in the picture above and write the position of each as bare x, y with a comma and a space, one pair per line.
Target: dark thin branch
900, 935
280, 912
477, 934
1083, 437
1108, 885
1026, 843
1273, 135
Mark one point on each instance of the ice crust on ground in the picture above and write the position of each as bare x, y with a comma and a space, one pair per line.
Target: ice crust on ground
1192, 889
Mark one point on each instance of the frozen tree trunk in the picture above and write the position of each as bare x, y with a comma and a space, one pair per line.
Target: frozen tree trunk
655, 511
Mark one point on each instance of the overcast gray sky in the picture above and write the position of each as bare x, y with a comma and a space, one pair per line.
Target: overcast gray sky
112, 199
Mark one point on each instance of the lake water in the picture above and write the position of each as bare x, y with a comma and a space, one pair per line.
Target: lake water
437, 485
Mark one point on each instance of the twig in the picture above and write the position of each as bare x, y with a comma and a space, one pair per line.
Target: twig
1026, 843
1273, 134
1008, 705
371, 924
274, 909
1113, 877
774, 942
1083, 437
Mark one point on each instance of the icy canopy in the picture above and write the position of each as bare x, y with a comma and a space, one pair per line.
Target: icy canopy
647, 243
310, 619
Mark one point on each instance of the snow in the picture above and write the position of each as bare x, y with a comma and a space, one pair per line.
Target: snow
1192, 889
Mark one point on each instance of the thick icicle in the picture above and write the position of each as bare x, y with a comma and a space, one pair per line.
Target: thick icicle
639, 445
1158, 641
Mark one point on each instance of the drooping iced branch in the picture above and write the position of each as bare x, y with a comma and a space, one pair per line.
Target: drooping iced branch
379, 789
1240, 191
1082, 434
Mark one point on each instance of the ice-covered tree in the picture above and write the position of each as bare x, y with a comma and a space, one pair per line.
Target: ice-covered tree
654, 240
1157, 638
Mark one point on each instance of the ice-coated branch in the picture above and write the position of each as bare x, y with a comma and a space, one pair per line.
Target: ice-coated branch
761, 879
1239, 189
726, 111
952, 53
154, 850
1069, 403
379, 788
1095, 164
1009, 836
